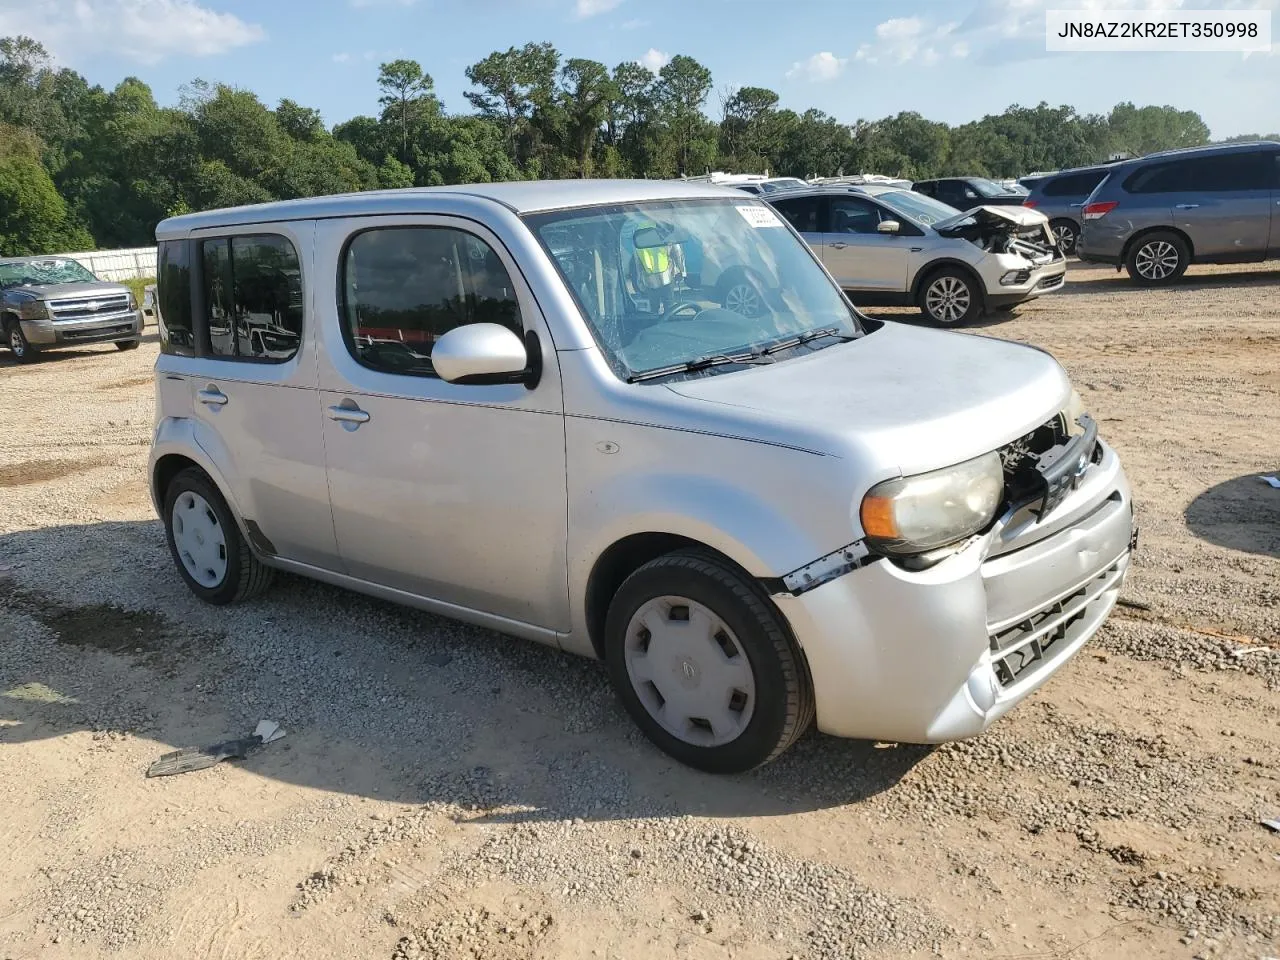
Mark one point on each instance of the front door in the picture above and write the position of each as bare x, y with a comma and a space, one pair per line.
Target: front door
857, 254
452, 492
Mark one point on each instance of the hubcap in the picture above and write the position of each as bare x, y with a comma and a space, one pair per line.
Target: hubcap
199, 539
1066, 238
742, 298
948, 299
689, 671
15, 342
1156, 261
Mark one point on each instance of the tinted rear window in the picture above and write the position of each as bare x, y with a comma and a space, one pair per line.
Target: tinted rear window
173, 298
1212, 174
1073, 184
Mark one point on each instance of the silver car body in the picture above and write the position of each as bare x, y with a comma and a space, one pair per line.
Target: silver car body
500, 505
888, 268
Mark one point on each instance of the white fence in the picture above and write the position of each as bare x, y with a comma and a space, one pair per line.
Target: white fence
118, 264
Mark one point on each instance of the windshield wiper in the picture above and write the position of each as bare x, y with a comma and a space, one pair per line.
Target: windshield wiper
693, 366
804, 338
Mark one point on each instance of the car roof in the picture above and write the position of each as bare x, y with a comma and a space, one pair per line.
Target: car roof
1208, 148
840, 189
519, 197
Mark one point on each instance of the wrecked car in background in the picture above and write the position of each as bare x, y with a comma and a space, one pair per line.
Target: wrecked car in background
47, 303
549, 409
892, 247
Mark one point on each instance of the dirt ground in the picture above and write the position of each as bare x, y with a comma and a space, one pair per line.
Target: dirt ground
444, 792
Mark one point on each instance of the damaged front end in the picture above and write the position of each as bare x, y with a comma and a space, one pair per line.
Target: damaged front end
1008, 230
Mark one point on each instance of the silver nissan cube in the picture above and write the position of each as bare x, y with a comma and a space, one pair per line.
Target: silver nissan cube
640, 422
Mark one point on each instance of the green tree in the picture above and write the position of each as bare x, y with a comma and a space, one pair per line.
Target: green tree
33, 216
681, 91
1142, 130
512, 85
588, 94
407, 96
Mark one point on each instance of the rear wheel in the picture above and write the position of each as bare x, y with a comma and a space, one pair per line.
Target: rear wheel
950, 297
1157, 259
705, 665
1067, 234
16, 340
740, 292
205, 541
127, 344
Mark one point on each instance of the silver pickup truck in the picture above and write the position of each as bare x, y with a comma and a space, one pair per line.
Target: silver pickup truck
48, 303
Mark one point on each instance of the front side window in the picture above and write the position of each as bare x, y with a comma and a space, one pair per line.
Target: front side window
853, 215
676, 282
252, 297
405, 287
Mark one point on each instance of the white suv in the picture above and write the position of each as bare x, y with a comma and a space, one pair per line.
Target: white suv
522, 405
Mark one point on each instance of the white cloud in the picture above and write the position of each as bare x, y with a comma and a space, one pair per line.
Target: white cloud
361, 4
634, 24
819, 68
591, 8
903, 39
343, 57
144, 30
655, 59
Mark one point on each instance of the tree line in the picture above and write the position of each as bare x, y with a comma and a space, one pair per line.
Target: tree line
82, 166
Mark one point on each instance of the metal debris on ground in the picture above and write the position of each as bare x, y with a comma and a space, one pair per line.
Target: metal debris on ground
1274, 481
201, 758
1272, 825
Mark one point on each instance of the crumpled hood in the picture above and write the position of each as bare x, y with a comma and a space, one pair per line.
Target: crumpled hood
904, 397
60, 291
1018, 217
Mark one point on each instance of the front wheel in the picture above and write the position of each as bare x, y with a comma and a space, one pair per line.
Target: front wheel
1158, 259
211, 555
950, 298
16, 340
740, 292
704, 664
127, 344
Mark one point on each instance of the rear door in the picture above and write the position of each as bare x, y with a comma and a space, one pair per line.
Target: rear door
253, 385
1221, 201
857, 254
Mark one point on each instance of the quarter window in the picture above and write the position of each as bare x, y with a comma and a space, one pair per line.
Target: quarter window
173, 295
1074, 184
405, 287
801, 213
252, 297
1222, 173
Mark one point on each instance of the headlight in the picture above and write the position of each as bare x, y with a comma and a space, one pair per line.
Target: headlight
33, 310
1073, 412
1012, 277
133, 301
912, 515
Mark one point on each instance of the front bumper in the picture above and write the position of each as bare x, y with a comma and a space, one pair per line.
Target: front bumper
940, 654
53, 334
1043, 279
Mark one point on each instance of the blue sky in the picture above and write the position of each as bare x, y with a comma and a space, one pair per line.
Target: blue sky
951, 60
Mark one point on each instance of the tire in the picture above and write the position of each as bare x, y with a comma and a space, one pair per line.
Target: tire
231, 574
735, 663
950, 297
741, 293
1067, 234
1157, 259
127, 344
17, 343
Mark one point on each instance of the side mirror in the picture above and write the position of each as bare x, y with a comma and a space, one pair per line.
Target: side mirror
888, 226
481, 353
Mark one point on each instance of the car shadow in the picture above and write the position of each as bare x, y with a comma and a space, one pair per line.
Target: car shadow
1188, 282
378, 700
1242, 514
67, 353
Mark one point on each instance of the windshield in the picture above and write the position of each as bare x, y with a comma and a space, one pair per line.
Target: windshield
18, 273
988, 188
666, 283
916, 207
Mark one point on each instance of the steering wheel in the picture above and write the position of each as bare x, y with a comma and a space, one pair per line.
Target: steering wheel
683, 306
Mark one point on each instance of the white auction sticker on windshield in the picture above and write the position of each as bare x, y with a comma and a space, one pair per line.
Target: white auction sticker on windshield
759, 216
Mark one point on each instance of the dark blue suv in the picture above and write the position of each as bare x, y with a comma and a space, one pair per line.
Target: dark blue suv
1159, 213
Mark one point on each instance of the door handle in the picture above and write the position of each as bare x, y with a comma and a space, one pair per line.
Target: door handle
1185, 206
211, 396
837, 246
348, 413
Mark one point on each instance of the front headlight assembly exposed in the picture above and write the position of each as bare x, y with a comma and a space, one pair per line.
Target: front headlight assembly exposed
914, 515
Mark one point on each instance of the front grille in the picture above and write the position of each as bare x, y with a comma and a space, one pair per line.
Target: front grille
88, 308
1017, 649
95, 333
1051, 283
